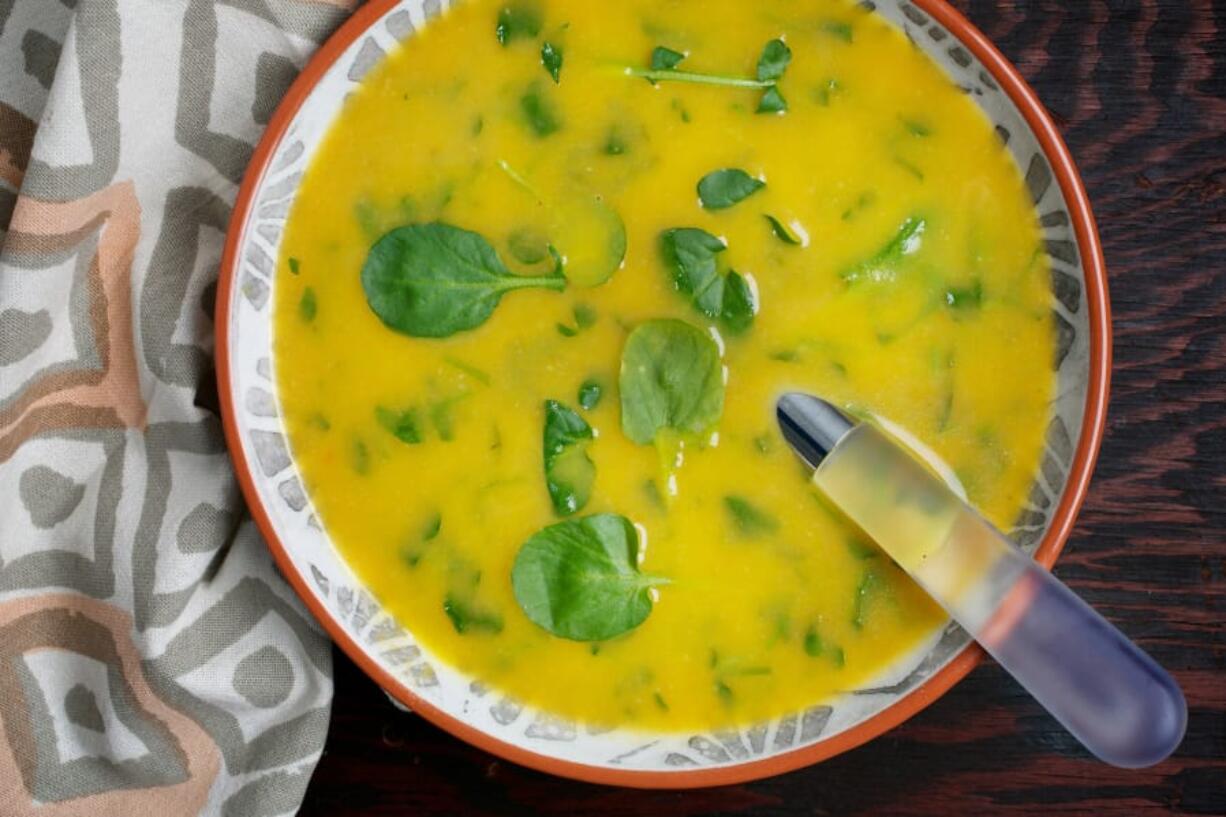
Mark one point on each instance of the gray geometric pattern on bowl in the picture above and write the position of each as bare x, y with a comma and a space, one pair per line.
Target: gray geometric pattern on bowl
390, 646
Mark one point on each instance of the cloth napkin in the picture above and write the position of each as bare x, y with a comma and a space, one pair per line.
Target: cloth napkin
152, 661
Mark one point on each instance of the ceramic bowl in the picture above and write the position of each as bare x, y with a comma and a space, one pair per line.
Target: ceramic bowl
386, 650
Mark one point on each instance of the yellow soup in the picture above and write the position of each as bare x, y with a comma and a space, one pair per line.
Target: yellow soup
902, 276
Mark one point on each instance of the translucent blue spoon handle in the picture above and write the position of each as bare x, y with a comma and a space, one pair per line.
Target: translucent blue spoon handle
1107, 692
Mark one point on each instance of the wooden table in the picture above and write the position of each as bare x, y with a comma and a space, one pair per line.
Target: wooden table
1138, 88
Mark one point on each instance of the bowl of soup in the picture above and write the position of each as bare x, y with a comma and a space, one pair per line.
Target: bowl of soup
509, 294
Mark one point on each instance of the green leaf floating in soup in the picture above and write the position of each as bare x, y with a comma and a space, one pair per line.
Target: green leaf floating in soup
723, 188
740, 303
906, 241
518, 21
774, 60
587, 236
748, 519
664, 59
592, 239
580, 580
590, 393
569, 471
772, 102
551, 58
433, 280
782, 232
671, 378
539, 112
691, 257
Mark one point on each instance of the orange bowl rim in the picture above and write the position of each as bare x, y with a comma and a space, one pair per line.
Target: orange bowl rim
1093, 426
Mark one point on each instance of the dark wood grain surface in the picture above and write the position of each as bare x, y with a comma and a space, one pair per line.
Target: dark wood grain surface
1138, 87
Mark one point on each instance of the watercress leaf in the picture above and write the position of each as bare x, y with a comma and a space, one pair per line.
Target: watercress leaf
579, 579
781, 231
559, 265
569, 471
916, 128
440, 418
748, 519
665, 59
865, 590
433, 280
740, 303
907, 240
551, 58
965, 298
724, 188
826, 91
468, 617
419, 543
403, 425
479, 375
539, 113
528, 245
359, 457
772, 101
585, 316
516, 21
838, 29
588, 237
671, 378
812, 642
308, 307
615, 143
774, 61
592, 237
590, 393
690, 254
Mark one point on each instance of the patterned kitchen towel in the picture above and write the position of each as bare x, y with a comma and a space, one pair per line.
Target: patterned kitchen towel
152, 662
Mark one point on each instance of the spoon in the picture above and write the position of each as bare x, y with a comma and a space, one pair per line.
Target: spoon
1104, 689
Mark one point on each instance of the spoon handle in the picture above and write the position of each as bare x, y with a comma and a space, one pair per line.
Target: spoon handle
1103, 688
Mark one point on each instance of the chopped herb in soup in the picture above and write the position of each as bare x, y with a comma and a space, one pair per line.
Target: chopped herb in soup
541, 286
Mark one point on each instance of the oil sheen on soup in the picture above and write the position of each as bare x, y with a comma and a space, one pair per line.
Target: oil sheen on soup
541, 287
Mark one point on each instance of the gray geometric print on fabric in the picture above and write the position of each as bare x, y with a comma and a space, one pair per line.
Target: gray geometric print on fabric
229, 151
273, 75
274, 793
48, 561
216, 631
176, 261
21, 333
82, 300
97, 60
264, 677
144, 511
204, 527
81, 707
53, 780
49, 496
152, 563
42, 55
21, 20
